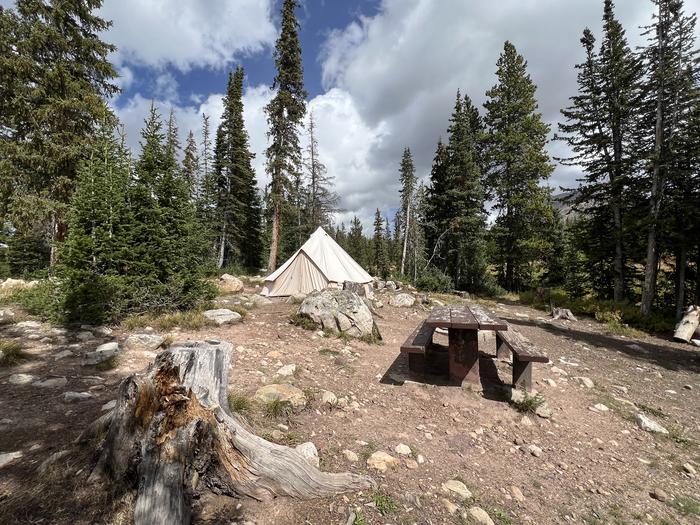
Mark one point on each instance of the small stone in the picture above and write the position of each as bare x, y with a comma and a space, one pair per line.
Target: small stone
517, 395
101, 354
649, 425
526, 421
689, 469
72, 397
84, 336
559, 371
584, 381
517, 494
329, 398
62, 354
8, 457
411, 464
102, 331
222, 316
659, 494
109, 405
287, 371
282, 392
143, 342
53, 458
457, 487
688, 387
403, 450
550, 382
479, 516
535, 450
21, 379
451, 507
310, 453
54, 382
420, 459
544, 411
599, 407
350, 456
381, 461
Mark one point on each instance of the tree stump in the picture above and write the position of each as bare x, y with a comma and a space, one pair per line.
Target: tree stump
563, 313
172, 437
688, 324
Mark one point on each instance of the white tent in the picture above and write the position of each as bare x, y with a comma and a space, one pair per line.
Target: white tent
320, 263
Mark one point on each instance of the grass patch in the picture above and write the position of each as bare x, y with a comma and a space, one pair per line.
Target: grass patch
384, 503
685, 505
359, 519
239, 310
277, 409
328, 351
651, 410
368, 449
498, 516
188, 320
678, 434
528, 404
12, 353
239, 402
108, 364
303, 321
371, 339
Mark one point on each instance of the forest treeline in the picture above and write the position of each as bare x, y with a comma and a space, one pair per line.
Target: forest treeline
123, 232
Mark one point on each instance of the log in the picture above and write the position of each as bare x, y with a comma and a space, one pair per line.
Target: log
688, 324
172, 437
563, 313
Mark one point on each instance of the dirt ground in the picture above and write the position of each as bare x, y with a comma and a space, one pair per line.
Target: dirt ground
587, 465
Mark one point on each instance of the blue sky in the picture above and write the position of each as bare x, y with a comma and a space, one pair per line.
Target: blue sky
381, 74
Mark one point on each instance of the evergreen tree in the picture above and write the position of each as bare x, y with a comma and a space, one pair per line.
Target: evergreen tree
408, 185
56, 76
356, 242
190, 165
599, 129
285, 114
519, 162
322, 200
380, 262
670, 58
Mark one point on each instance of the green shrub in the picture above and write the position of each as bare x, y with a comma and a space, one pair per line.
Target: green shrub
433, 280
303, 321
108, 364
188, 320
276, 409
529, 404
384, 503
239, 402
42, 300
12, 353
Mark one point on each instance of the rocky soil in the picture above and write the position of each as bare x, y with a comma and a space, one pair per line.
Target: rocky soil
617, 441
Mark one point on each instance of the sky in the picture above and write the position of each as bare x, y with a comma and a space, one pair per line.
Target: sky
381, 74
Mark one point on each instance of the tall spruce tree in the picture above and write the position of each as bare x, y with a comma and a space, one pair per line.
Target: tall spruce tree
322, 200
56, 76
190, 165
380, 262
356, 242
670, 59
285, 113
407, 177
599, 128
518, 163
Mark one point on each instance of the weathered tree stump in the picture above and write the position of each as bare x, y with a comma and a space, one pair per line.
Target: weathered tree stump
563, 313
688, 324
171, 436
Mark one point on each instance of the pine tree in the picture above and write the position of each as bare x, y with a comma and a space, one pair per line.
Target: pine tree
380, 262
285, 113
56, 77
190, 165
322, 200
670, 58
519, 162
95, 253
356, 242
407, 178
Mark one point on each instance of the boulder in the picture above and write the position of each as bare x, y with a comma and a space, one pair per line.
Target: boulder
101, 354
73, 397
21, 379
287, 370
282, 392
8, 457
143, 342
403, 300
54, 382
340, 311
390, 285
363, 290
456, 487
649, 425
222, 316
17, 284
230, 284
381, 461
259, 300
329, 398
479, 516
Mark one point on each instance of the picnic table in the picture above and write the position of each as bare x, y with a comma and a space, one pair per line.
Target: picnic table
463, 323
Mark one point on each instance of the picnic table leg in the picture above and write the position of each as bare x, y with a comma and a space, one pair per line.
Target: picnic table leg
502, 350
464, 356
522, 374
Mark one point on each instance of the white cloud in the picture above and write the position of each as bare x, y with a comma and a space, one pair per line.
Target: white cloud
190, 33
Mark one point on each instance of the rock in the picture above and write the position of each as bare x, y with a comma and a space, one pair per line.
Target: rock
390, 285
287, 371
659, 494
109, 405
53, 458
340, 311
689, 469
403, 450
16, 284
535, 450
479, 516
309, 452
54, 382
62, 354
451, 507
282, 392
600, 407
296, 298
222, 316
259, 300
411, 464
29, 325
526, 421
101, 354
329, 398
559, 371
584, 381
402, 300
21, 379
102, 331
381, 461
143, 342
455, 486
73, 397
84, 336
516, 395
350, 456
649, 425
8, 457
517, 494
544, 411
229, 284
695, 342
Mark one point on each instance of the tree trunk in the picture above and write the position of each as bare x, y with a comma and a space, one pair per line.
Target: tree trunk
58, 235
688, 325
681, 262
222, 245
405, 239
619, 279
274, 237
172, 437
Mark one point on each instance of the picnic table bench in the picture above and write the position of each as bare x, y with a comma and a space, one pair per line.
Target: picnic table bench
463, 323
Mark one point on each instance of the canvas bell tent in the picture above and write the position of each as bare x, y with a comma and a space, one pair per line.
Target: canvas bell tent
320, 263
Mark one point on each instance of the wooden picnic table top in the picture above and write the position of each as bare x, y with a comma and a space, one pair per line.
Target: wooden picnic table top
465, 317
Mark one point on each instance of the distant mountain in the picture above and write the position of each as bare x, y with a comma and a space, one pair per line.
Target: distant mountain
563, 204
